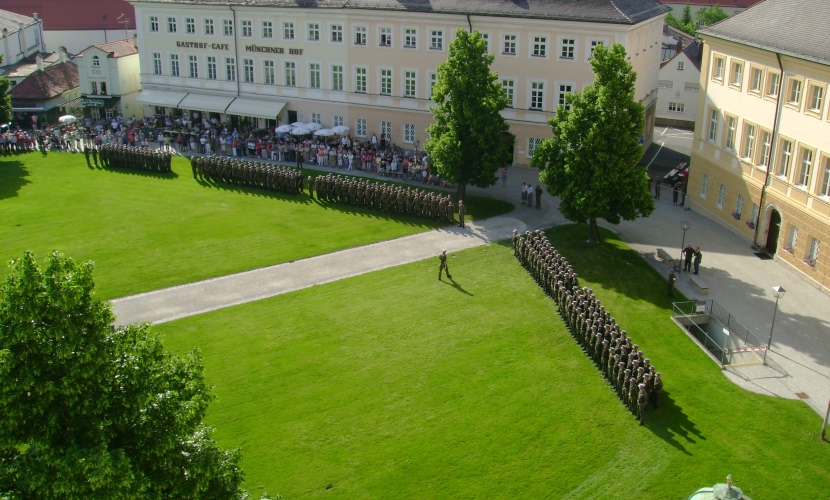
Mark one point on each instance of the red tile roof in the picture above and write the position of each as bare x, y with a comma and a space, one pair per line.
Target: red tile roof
731, 4
66, 15
51, 82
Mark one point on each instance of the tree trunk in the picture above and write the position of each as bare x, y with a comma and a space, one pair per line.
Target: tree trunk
593, 232
461, 193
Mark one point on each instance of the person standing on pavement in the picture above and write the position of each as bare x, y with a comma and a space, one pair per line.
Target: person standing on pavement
461, 211
442, 266
538, 196
688, 253
524, 193
675, 195
672, 279
504, 177
698, 258
657, 183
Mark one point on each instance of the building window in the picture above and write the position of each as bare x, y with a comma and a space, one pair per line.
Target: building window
337, 78
386, 37
756, 78
410, 38
537, 95
227, 27
753, 216
812, 254
792, 238
360, 80
192, 67
339, 121
337, 33
766, 148
718, 68
596, 43
190, 25
208, 27
360, 127
704, 186
680, 65
786, 157
247, 29
290, 73
267, 29
825, 180
567, 49
816, 98
313, 32
794, 92
211, 67
230, 69
433, 79
316, 118
386, 82
532, 144
721, 195
154, 24
171, 25
713, 124
174, 64
288, 30
386, 130
360, 35
509, 45
739, 207
805, 167
731, 124
409, 133
486, 38
436, 39
156, 63
749, 141
509, 91
409, 83
93, 88
248, 70
564, 90
773, 84
540, 46
314, 75
677, 107
737, 76
269, 72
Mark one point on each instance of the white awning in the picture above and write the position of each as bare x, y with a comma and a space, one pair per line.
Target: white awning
259, 108
160, 98
204, 102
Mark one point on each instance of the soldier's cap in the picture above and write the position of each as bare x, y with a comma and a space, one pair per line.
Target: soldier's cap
627, 370
647, 375
648, 360
635, 345
621, 363
443, 251
642, 386
640, 368
658, 374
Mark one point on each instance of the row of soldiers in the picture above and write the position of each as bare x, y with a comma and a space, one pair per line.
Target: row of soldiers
247, 173
379, 196
131, 157
627, 369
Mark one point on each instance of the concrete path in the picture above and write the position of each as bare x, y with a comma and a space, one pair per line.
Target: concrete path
797, 366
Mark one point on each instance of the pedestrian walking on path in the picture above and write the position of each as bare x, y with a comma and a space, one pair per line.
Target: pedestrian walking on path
442, 266
461, 211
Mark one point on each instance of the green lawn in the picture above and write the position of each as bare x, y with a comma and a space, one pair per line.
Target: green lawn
146, 232
395, 385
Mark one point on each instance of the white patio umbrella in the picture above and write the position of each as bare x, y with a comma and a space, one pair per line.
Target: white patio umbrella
323, 132
284, 129
300, 131
340, 129
67, 119
313, 126
298, 124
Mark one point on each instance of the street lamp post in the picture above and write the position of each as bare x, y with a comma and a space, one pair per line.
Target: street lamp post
779, 292
684, 225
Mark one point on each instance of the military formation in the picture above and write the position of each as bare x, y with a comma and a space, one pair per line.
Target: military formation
229, 170
629, 372
382, 197
130, 157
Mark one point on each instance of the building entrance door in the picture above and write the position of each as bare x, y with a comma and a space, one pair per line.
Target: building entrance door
773, 231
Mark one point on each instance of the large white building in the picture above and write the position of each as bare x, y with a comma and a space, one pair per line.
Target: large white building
20, 37
370, 64
109, 79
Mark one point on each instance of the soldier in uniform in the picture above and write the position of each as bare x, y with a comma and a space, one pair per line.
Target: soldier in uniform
95, 155
642, 401
657, 390
86, 155
442, 266
461, 211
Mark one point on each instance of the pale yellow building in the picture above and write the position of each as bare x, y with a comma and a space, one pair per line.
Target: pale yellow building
761, 155
370, 64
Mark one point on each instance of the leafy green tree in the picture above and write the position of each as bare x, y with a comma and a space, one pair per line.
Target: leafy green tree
93, 411
5, 98
464, 140
711, 15
688, 28
686, 17
591, 161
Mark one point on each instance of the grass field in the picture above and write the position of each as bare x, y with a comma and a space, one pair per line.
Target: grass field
146, 232
395, 385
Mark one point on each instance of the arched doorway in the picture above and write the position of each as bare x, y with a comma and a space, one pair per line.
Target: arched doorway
773, 230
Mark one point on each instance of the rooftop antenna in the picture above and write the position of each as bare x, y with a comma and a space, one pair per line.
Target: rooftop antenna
123, 19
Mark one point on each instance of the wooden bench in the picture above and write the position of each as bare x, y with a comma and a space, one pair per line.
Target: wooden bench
702, 287
665, 257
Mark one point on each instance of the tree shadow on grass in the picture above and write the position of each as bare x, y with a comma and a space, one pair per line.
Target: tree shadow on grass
13, 176
669, 423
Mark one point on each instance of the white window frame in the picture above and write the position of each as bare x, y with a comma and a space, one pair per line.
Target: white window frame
432, 79
172, 24
436, 39
714, 121
208, 26
536, 95
718, 67
824, 189
792, 238
510, 44
680, 65
410, 83
227, 27
230, 68
539, 46
795, 89
336, 33
772, 87
315, 75
338, 77
248, 72
246, 28
157, 63
677, 107
532, 144
339, 120
749, 141
211, 65
813, 252
361, 79
189, 25
736, 74
805, 166
289, 69
269, 72
739, 206
567, 48
289, 30
386, 129
509, 86
785, 158
153, 25
731, 130
312, 30
410, 38
385, 38
361, 35
266, 29
385, 81
721, 196
815, 98
765, 145
563, 89
192, 66
175, 65
756, 80
704, 186
409, 136
360, 127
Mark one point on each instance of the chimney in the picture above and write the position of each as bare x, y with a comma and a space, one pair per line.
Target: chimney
39, 62
135, 40
23, 43
680, 45
35, 16
62, 54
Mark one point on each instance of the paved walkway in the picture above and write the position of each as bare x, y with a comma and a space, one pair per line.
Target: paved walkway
799, 361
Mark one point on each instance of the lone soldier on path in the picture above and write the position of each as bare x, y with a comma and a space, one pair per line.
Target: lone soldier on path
698, 258
671, 283
688, 253
538, 196
461, 211
443, 265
